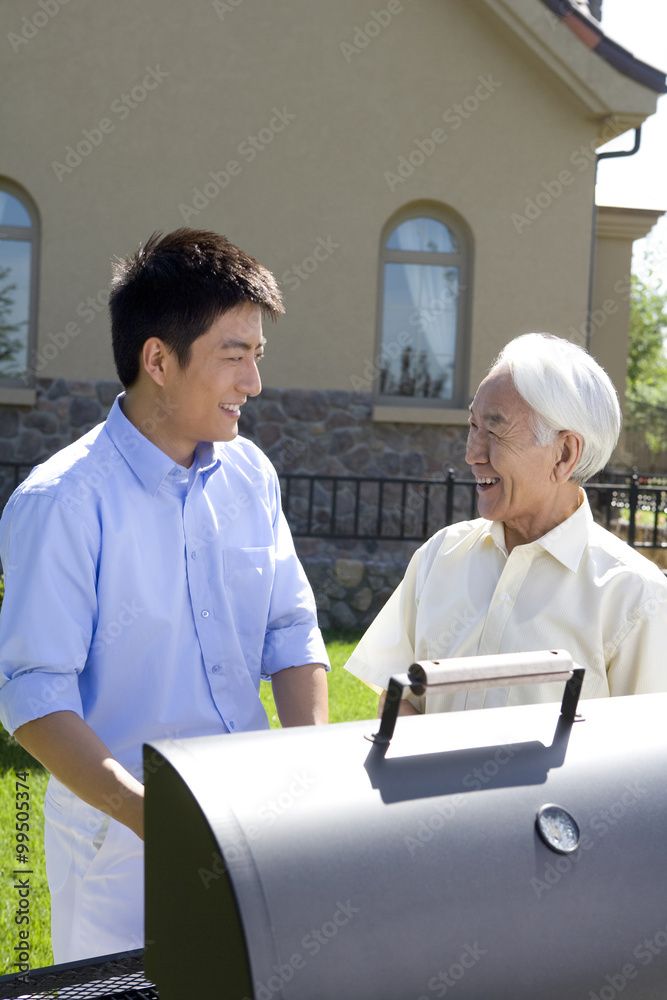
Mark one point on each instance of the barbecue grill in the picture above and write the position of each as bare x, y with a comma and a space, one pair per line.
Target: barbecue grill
500, 854
495, 855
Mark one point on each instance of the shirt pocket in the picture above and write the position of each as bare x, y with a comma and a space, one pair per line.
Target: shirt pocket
248, 576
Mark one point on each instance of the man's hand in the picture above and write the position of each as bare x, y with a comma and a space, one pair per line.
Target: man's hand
301, 695
75, 756
405, 707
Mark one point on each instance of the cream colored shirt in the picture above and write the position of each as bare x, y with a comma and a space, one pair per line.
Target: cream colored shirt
578, 588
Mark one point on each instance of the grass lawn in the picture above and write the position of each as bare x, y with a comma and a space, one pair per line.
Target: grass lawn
349, 700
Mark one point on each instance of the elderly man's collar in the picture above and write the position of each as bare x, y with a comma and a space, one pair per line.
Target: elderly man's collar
566, 542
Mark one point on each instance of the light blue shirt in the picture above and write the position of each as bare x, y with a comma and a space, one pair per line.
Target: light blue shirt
148, 598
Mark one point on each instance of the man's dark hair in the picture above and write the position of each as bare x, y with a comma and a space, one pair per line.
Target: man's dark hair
175, 287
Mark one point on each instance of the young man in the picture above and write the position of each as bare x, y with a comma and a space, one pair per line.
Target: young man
151, 578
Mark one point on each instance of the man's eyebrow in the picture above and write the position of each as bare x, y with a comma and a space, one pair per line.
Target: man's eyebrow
492, 417
241, 345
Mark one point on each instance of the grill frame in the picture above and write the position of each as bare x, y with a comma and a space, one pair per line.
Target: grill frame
109, 977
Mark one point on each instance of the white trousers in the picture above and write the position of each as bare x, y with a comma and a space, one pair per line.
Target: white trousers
95, 870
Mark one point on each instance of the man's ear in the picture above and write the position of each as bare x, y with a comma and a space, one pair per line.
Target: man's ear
153, 356
569, 447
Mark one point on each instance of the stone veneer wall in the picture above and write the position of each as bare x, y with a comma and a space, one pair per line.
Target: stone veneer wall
62, 413
332, 433
301, 431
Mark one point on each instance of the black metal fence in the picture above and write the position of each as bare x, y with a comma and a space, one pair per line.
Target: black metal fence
11, 474
375, 509
405, 510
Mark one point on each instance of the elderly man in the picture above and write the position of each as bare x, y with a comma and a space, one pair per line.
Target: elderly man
533, 571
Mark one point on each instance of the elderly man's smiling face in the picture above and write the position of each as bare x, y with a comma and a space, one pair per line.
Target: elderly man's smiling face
519, 482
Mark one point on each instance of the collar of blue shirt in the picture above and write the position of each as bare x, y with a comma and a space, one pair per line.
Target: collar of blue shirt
145, 459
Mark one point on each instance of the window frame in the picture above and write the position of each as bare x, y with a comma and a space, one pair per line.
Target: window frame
31, 235
462, 259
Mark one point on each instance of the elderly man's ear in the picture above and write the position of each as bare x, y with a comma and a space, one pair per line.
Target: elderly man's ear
568, 452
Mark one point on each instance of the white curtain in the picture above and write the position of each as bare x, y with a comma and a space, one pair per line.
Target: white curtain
433, 291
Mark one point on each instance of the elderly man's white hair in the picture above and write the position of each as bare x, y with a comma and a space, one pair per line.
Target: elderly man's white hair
568, 391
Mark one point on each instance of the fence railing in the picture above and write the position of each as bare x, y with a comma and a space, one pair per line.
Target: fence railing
11, 474
405, 510
377, 509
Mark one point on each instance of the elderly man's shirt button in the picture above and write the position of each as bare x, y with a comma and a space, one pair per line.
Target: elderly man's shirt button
506, 597
215, 669
204, 614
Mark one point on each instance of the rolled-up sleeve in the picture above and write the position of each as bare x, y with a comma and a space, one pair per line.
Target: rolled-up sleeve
49, 609
388, 646
292, 635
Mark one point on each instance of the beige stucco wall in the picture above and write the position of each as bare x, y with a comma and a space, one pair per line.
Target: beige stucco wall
610, 316
617, 228
218, 73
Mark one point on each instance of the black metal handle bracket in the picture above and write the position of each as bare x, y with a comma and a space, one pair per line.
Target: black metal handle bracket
481, 672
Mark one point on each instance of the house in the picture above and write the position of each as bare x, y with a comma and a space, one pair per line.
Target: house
419, 174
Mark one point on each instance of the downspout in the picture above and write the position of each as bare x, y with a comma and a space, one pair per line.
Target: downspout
591, 275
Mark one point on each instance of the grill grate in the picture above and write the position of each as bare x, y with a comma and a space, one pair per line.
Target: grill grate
116, 977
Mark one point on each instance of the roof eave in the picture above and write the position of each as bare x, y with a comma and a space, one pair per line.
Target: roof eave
594, 37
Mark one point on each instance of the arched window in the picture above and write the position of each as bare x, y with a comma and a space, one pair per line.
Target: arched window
18, 284
423, 342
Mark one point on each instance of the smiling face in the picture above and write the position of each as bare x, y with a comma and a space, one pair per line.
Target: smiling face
221, 374
518, 482
176, 407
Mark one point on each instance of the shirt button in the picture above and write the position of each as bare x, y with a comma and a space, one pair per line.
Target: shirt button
231, 725
193, 555
506, 597
204, 614
215, 669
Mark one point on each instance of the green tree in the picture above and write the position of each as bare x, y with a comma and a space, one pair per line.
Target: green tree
646, 388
